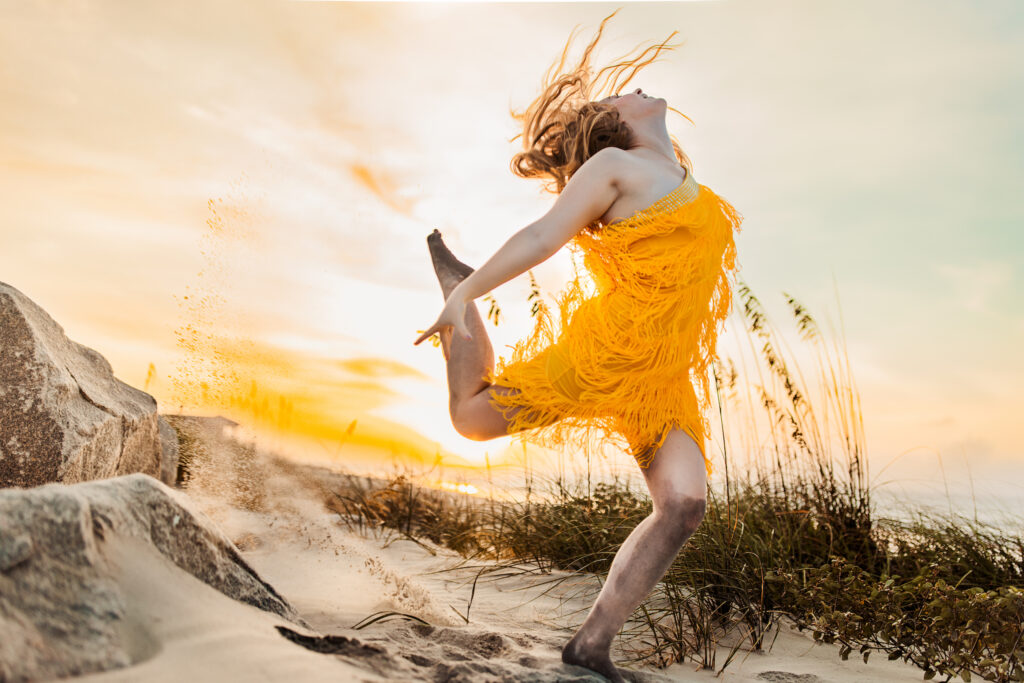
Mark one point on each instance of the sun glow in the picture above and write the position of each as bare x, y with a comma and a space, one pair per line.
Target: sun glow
460, 487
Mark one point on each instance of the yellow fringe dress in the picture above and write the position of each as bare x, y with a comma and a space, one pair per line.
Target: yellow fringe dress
629, 358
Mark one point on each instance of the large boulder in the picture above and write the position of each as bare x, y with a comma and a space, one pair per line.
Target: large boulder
64, 417
63, 610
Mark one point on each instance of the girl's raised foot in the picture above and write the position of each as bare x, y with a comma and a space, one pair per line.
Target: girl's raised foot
450, 271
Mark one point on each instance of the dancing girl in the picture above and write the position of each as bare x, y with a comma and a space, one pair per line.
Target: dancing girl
627, 361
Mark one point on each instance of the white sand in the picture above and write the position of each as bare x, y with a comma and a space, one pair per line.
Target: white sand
186, 631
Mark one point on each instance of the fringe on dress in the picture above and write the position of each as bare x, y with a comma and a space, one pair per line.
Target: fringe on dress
628, 358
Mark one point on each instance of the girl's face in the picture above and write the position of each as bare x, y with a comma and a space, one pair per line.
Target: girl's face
636, 105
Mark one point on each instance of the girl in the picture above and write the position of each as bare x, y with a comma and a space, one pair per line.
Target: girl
628, 361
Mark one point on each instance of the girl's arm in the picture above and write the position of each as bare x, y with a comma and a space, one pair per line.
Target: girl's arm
584, 199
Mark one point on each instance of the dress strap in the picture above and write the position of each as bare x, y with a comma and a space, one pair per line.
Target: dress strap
684, 194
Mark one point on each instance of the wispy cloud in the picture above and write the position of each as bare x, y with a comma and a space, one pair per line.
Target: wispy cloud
382, 187
380, 367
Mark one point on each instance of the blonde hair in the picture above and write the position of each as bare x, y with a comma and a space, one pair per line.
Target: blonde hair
564, 126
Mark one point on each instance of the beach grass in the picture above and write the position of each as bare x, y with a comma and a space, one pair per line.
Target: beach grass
761, 563
790, 535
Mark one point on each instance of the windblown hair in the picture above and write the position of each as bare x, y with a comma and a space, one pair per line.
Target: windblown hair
565, 125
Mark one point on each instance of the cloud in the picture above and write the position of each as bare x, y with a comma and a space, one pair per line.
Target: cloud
382, 187
380, 367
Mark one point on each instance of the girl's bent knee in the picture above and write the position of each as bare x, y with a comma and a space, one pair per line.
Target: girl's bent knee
473, 429
468, 430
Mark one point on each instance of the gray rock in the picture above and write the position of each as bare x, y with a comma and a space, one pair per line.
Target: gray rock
62, 612
63, 415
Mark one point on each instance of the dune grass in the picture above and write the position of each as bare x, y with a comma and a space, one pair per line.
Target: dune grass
790, 536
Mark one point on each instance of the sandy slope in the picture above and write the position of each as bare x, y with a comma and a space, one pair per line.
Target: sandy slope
335, 578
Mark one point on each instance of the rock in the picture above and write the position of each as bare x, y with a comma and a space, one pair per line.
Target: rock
64, 417
62, 611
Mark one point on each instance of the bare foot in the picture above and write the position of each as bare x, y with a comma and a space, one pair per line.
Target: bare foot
450, 271
595, 659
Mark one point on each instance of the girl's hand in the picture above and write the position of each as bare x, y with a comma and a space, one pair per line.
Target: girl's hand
452, 315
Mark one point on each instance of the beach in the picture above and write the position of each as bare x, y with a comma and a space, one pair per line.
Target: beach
463, 624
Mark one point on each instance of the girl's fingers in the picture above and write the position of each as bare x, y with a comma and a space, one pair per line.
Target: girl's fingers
425, 335
433, 329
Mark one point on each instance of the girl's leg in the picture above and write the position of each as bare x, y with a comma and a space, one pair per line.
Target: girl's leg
469, 361
677, 481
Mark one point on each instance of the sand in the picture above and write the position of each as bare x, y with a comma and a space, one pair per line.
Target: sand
336, 577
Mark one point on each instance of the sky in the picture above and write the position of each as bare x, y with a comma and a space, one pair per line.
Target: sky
229, 200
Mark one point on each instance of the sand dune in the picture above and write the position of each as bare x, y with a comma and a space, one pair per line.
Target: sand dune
335, 578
